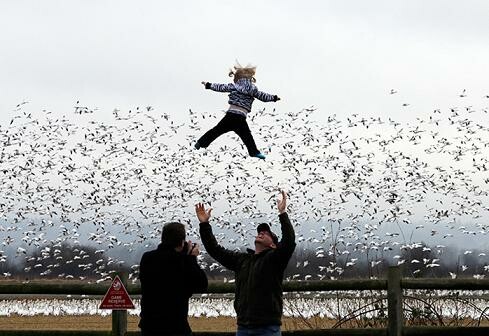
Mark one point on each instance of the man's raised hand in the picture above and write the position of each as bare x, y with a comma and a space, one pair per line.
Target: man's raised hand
282, 204
202, 214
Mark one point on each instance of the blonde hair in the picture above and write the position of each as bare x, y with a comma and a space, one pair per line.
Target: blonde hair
240, 72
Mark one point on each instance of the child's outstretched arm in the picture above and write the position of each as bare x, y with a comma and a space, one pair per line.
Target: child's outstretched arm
265, 97
219, 87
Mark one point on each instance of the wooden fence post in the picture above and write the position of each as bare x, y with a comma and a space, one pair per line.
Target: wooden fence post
119, 317
394, 302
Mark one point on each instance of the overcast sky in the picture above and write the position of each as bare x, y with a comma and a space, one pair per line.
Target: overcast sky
341, 56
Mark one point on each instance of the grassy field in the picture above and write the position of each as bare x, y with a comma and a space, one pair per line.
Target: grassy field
105, 323
197, 324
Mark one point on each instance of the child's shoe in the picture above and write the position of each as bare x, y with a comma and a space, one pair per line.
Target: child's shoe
197, 145
260, 156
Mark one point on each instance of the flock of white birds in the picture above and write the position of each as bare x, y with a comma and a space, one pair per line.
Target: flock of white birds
359, 187
333, 307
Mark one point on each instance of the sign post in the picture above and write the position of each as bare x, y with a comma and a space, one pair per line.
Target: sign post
119, 301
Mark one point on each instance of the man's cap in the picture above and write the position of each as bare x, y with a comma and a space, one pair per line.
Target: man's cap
265, 227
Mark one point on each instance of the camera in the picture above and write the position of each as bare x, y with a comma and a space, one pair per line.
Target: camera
185, 249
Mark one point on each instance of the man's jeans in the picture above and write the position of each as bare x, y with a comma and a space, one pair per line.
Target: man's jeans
271, 330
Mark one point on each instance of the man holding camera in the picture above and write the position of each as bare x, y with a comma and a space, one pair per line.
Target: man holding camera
169, 276
259, 274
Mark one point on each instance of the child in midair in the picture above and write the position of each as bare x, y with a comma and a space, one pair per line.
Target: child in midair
242, 93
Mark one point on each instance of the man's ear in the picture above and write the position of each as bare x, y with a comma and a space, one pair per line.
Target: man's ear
180, 248
272, 245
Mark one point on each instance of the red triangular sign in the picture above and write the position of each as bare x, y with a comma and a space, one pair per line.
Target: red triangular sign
117, 297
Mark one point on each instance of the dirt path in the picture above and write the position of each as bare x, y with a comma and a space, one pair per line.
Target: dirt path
105, 323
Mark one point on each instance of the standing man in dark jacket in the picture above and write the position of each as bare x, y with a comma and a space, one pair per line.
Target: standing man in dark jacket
258, 299
169, 276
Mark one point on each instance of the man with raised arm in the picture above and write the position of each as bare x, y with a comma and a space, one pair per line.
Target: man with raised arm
259, 274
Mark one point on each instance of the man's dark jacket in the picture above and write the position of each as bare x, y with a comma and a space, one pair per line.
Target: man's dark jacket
258, 298
168, 280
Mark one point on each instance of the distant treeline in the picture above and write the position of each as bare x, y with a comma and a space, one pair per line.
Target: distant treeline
64, 261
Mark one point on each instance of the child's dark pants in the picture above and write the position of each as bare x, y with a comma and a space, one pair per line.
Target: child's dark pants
231, 122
